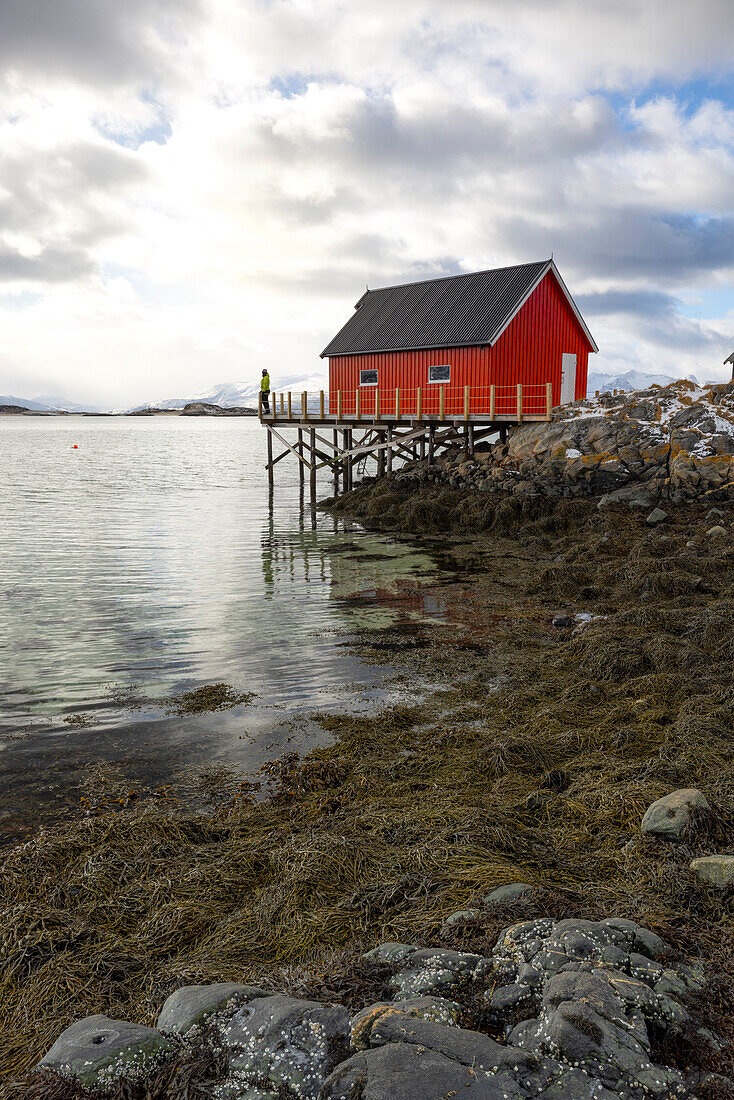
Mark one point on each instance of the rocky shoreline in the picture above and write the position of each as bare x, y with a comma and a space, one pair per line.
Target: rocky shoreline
567, 1010
673, 443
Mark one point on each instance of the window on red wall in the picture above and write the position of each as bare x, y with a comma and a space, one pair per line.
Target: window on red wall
368, 378
439, 372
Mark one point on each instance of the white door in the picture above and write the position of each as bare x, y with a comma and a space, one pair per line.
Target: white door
568, 378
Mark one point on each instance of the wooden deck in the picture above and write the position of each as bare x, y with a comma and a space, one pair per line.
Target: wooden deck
343, 431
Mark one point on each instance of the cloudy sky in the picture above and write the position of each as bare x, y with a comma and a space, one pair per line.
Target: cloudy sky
192, 189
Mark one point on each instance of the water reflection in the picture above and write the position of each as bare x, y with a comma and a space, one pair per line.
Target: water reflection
154, 559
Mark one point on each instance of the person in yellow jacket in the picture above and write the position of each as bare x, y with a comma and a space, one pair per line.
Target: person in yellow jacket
265, 391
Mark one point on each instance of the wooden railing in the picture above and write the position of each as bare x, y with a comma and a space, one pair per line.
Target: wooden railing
434, 401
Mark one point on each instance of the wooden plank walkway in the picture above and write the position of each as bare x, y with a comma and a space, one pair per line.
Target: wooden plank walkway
378, 425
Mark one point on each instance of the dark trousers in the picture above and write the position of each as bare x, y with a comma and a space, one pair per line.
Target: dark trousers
266, 400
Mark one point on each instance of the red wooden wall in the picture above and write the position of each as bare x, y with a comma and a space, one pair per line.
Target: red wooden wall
528, 351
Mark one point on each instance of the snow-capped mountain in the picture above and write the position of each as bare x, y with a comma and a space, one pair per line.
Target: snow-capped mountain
64, 404
23, 403
241, 394
628, 380
47, 403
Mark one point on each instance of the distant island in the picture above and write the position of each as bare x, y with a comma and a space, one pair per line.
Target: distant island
194, 408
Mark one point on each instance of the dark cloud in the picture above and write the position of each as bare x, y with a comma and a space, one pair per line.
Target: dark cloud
630, 242
51, 265
65, 202
95, 41
655, 318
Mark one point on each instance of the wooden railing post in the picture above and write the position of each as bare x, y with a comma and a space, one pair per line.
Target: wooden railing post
321, 404
304, 406
290, 415
548, 400
282, 405
260, 405
419, 404
519, 402
441, 402
338, 404
377, 404
491, 402
274, 398
357, 396
466, 402
397, 403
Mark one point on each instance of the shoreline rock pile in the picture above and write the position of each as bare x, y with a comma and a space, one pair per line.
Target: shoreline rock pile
577, 1009
664, 443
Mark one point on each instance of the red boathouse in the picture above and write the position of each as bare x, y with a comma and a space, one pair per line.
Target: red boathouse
463, 343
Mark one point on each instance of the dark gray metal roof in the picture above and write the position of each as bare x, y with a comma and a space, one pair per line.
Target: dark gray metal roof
454, 311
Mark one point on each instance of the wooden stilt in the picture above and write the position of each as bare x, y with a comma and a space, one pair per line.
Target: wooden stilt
335, 435
431, 445
389, 450
312, 472
300, 451
470, 435
270, 456
345, 463
350, 464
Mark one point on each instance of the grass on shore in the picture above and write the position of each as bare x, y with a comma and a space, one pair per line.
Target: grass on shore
421, 810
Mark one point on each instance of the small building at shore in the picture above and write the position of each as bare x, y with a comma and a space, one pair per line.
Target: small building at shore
478, 337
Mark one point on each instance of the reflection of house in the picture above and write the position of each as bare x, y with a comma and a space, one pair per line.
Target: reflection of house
503, 328
730, 360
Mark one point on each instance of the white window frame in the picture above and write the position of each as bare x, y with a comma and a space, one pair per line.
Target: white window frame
369, 370
438, 381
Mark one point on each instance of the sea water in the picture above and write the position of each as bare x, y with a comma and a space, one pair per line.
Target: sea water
151, 559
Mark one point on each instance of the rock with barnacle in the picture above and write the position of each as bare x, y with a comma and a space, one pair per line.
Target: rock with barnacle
96, 1051
192, 1005
286, 1041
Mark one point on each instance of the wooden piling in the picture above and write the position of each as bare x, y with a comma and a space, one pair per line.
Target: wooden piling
335, 467
388, 439
312, 471
300, 451
270, 456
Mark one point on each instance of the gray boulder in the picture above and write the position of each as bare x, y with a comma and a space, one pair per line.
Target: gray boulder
96, 1051
433, 972
656, 516
717, 871
436, 1009
285, 1041
191, 1005
403, 1071
669, 816
390, 953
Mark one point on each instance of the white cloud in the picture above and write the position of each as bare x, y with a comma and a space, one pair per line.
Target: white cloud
189, 190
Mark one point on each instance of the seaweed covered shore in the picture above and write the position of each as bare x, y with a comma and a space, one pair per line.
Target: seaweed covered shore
584, 672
